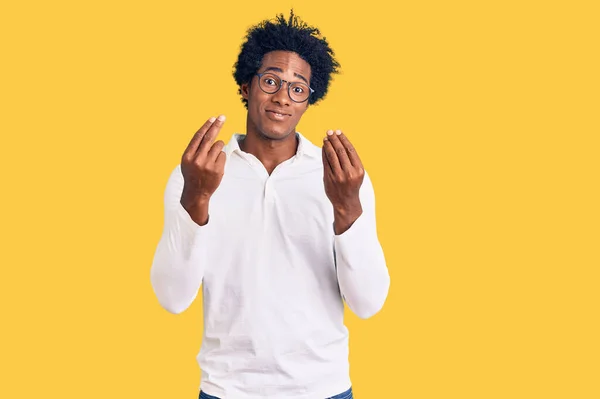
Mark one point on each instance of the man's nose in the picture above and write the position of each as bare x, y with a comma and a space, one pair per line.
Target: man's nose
282, 96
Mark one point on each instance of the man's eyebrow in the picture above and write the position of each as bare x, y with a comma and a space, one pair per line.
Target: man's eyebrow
301, 77
276, 69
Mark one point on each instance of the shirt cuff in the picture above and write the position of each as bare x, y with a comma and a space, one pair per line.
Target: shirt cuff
354, 246
192, 234
185, 220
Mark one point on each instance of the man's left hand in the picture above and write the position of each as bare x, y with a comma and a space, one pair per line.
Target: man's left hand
343, 175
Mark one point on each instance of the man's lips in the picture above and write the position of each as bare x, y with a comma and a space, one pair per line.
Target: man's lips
278, 113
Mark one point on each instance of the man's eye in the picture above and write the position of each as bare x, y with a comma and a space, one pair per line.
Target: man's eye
298, 89
270, 81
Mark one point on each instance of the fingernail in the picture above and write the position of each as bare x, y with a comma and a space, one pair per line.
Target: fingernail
329, 132
211, 120
222, 118
338, 132
325, 139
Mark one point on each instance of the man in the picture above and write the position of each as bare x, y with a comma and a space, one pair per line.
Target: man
277, 231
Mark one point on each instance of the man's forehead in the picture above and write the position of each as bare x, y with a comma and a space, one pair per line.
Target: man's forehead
282, 61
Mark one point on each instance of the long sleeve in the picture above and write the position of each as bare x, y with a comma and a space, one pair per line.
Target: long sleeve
179, 260
362, 271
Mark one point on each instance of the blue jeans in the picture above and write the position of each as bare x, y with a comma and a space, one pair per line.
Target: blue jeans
343, 395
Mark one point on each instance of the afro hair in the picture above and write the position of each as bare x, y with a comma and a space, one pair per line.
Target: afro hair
291, 35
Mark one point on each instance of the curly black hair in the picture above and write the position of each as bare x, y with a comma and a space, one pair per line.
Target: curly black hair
287, 35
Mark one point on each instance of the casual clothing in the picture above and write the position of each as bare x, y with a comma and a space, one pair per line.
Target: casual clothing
274, 277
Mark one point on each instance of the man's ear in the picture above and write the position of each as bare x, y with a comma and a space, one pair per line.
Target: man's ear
245, 90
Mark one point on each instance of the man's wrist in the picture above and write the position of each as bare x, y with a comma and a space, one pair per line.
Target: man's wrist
345, 215
197, 208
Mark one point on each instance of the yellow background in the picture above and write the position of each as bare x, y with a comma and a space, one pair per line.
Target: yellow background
478, 122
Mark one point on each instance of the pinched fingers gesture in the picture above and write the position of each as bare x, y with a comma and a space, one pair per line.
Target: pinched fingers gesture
203, 162
343, 171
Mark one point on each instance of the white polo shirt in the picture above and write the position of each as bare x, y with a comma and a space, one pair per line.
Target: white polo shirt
274, 277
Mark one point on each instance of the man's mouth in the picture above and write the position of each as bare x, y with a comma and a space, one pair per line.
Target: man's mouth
277, 112
277, 115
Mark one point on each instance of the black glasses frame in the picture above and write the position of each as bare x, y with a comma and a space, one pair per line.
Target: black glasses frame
260, 75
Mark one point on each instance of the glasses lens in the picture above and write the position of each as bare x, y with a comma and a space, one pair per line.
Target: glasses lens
299, 92
269, 83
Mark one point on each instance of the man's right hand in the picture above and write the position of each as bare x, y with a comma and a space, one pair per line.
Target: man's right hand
202, 166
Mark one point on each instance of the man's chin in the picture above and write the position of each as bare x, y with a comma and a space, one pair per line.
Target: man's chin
276, 134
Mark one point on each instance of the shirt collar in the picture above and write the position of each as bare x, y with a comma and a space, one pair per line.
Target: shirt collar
305, 146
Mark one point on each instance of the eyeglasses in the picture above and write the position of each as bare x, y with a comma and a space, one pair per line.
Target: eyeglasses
271, 84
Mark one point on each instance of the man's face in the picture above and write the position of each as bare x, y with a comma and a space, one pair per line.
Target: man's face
275, 116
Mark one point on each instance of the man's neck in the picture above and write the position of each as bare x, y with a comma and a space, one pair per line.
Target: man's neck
270, 152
